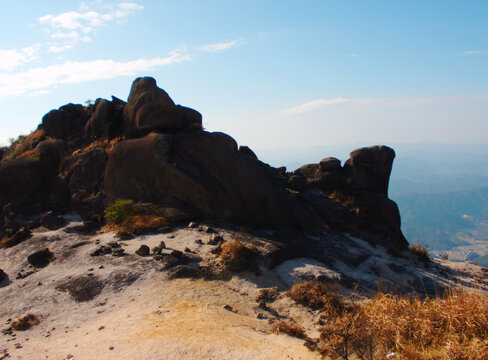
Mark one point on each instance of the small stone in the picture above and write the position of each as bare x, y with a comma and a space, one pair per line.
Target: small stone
192, 225
102, 250
158, 257
229, 308
171, 236
143, 250
39, 283
69, 357
157, 250
101, 328
111, 348
187, 250
114, 244
176, 253
199, 242
101, 267
215, 239
162, 245
91, 269
118, 253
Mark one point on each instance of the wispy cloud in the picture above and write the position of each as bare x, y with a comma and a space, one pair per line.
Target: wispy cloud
474, 52
220, 46
10, 59
401, 101
71, 27
38, 80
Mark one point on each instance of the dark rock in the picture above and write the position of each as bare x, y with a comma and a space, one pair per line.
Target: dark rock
102, 250
19, 179
162, 245
330, 164
204, 171
215, 240
51, 153
25, 323
199, 242
18, 237
65, 123
157, 250
177, 254
118, 253
369, 168
184, 271
188, 250
143, 250
52, 221
81, 288
3, 278
113, 244
245, 150
107, 120
40, 258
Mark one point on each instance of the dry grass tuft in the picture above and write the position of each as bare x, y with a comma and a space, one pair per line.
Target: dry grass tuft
420, 252
454, 326
25, 323
282, 327
317, 295
236, 255
23, 147
126, 216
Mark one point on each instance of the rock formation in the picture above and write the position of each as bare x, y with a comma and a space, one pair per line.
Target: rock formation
82, 159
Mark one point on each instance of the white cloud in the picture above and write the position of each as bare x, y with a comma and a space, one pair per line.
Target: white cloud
401, 101
71, 72
474, 52
70, 27
10, 59
220, 46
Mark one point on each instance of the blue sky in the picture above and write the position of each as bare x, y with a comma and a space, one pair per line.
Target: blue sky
272, 74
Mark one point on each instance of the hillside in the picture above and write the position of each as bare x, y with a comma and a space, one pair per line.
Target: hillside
446, 220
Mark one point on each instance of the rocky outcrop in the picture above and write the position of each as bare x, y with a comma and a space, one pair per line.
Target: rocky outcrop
150, 108
152, 150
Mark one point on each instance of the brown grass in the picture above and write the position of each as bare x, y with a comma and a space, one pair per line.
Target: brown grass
454, 326
22, 147
282, 327
236, 255
105, 144
317, 295
420, 252
25, 323
127, 217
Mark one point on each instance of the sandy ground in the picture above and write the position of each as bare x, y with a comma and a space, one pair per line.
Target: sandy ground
139, 313
150, 318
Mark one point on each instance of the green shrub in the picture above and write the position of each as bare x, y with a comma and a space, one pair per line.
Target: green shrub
119, 211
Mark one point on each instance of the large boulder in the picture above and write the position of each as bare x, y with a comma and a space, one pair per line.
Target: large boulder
106, 121
150, 108
369, 168
20, 178
202, 170
65, 123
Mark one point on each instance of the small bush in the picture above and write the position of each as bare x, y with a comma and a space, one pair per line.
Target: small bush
128, 217
289, 329
236, 256
317, 295
25, 323
420, 252
119, 211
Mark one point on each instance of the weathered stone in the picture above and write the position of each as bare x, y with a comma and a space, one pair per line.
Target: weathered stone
143, 250
65, 123
18, 237
52, 221
369, 168
40, 258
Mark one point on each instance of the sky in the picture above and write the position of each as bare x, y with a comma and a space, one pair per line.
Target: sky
272, 74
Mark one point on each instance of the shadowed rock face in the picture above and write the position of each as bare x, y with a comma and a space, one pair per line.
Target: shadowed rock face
151, 150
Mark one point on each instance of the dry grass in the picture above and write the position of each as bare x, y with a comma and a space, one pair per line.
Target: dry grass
25, 323
22, 147
105, 144
126, 216
420, 252
454, 326
317, 295
282, 327
236, 255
